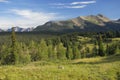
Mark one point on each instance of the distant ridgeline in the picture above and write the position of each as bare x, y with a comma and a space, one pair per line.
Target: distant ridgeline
89, 23
17, 29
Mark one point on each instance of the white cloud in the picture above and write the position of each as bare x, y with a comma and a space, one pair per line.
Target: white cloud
6, 1
75, 5
28, 18
85, 2
34, 16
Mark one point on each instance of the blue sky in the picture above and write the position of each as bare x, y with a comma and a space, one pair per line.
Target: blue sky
31, 13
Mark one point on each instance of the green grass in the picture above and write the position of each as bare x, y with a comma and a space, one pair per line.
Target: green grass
115, 39
105, 68
84, 39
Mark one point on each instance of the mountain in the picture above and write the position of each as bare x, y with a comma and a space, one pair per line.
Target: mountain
1, 30
118, 20
19, 29
93, 23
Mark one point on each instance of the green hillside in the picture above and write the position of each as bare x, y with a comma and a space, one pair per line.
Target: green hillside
106, 68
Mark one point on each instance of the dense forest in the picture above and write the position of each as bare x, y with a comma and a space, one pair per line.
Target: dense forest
21, 48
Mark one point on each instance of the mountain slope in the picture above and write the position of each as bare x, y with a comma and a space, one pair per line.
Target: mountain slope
83, 23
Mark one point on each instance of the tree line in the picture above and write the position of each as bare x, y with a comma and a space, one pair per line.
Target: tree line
66, 47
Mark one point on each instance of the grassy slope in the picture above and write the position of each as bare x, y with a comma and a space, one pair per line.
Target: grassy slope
106, 68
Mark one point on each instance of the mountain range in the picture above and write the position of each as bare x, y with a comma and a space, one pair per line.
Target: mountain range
94, 23
17, 29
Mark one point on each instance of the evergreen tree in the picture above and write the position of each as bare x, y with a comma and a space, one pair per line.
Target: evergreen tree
10, 56
54, 52
95, 49
107, 49
5, 55
76, 52
14, 55
50, 51
100, 47
24, 56
117, 51
113, 49
33, 50
61, 51
69, 53
42, 50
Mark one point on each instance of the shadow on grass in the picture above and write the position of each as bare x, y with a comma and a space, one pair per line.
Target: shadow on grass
109, 59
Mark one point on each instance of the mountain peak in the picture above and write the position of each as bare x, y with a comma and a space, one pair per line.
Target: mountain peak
100, 15
90, 22
19, 29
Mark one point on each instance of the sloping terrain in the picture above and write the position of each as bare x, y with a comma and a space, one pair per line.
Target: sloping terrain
105, 68
93, 23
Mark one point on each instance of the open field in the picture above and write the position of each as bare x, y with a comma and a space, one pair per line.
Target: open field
106, 68
115, 39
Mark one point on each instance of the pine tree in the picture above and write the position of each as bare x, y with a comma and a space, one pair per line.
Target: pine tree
100, 47
113, 49
50, 51
13, 38
42, 50
11, 56
5, 55
61, 51
33, 50
14, 55
95, 49
107, 49
22, 50
117, 50
76, 52
54, 52
69, 53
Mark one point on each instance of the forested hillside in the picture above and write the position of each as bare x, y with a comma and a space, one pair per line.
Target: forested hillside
19, 48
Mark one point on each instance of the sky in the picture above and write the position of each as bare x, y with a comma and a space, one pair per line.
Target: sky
31, 13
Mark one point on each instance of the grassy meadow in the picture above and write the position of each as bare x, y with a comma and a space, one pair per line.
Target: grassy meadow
99, 68
95, 68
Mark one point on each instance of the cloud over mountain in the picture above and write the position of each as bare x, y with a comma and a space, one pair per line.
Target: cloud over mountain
28, 18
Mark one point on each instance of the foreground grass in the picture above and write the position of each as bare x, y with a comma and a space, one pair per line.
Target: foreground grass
106, 68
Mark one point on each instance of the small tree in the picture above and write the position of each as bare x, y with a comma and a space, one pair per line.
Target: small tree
33, 50
24, 56
95, 49
113, 49
50, 51
100, 47
6, 55
61, 51
69, 53
76, 52
42, 50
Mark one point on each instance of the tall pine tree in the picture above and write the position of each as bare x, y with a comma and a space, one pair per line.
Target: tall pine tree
100, 46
